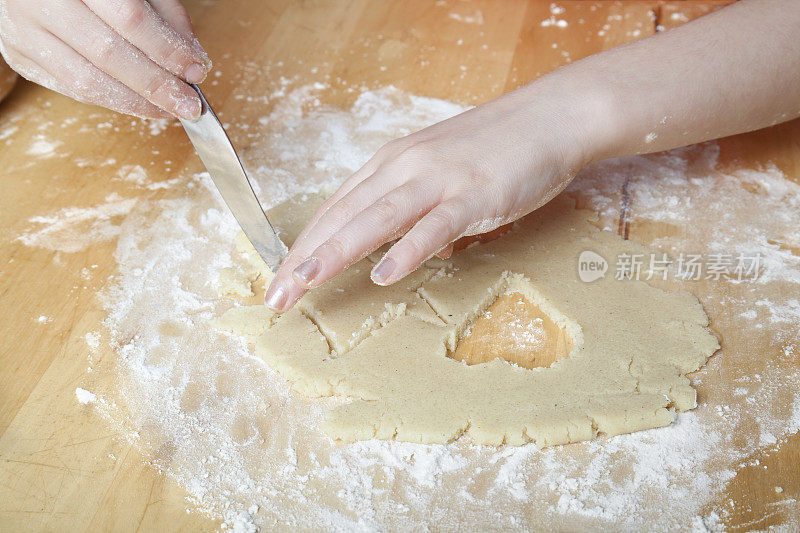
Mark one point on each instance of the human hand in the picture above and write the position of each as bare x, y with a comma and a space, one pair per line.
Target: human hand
464, 176
499, 161
132, 56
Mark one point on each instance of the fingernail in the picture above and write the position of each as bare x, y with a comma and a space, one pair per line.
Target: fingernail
189, 108
383, 270
276, 298
307, 270
202, 52
194, 73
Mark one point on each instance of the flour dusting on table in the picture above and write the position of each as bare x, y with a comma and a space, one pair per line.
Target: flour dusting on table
73, 229
249, 450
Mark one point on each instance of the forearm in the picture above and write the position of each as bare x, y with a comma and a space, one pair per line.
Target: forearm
735, 70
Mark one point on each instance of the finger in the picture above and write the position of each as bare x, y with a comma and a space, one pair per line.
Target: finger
112, 54
283, 291
341, 212
27, 67
384, 154
382, 221
142, 26
369, 168
445, 252
173, 12
176, 15
73, 75
441, 226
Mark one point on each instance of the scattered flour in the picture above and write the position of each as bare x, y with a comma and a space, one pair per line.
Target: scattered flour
73, 229
8, 132
84, 396
249, 450
552, 21
41, 147
555, 10
157, 126
135, 174
788, 312
92, 340
475, 18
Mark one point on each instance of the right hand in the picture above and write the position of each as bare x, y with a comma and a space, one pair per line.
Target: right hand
133, 56
471, 174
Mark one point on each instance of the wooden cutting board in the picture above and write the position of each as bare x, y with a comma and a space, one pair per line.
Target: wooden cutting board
61, 468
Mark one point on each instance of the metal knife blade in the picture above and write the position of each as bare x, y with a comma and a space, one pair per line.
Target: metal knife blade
219, 157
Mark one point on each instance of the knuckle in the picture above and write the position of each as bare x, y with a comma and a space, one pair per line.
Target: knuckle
336, 247
342, 212
389, 148
158, 86
386, 211
102, 48
416, 246
415, 154
175, 56
131, 15
481, 170
444, 219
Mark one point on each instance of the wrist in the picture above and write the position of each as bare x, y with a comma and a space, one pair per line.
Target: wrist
586, 110
603, 124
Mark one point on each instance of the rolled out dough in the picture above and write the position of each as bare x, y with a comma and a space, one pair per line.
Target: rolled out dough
386, 348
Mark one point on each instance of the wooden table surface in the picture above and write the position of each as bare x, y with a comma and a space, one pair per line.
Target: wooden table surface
55, 467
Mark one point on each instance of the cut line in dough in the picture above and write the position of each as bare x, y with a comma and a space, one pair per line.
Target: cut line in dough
386, 348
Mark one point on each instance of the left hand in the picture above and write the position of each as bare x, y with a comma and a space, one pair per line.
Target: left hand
464, 176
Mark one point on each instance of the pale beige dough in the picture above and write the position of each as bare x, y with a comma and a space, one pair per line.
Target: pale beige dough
248, 321
386, 348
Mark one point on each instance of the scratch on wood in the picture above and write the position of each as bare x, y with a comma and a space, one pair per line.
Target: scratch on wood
623, 229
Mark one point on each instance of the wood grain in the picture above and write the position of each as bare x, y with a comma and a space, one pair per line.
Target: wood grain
63, 468
517, 331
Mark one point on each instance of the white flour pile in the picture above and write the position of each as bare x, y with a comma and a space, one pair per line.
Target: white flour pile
250, 451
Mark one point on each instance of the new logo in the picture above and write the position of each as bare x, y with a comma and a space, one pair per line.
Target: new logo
591, 266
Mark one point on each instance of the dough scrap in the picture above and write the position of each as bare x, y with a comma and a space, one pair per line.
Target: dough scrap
248, 321
386, 348
234, 282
